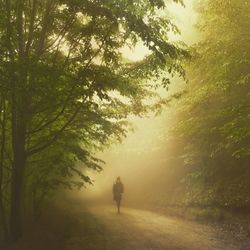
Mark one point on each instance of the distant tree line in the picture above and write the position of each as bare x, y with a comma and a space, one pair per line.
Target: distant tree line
212, 129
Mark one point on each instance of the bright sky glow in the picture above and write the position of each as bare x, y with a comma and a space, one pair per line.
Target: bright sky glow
185, 18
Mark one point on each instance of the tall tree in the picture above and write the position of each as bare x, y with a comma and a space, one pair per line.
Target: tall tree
63, 71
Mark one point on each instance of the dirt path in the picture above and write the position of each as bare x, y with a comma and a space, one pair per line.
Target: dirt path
101, 228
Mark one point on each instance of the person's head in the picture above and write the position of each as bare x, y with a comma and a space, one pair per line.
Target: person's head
118, 179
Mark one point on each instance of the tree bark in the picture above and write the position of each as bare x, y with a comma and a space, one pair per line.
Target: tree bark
19, 109
3, 142
19, 127
17, 186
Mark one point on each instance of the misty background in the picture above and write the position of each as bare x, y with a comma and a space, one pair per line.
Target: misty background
145, 160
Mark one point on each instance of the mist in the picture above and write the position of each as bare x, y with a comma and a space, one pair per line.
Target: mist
145, 159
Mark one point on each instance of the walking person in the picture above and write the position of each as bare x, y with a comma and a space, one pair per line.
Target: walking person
118, 189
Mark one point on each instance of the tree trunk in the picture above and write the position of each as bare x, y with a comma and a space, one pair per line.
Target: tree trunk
3, 219
17, 191
18, 103
18, 166
3, 142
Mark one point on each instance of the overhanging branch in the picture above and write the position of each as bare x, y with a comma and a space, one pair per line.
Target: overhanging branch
55, 136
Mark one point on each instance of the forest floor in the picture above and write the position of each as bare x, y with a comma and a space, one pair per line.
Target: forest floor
99, 227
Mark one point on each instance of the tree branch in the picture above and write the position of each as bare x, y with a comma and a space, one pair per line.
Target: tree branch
45, 24
56, 136
19, 22
71, 90
31, 27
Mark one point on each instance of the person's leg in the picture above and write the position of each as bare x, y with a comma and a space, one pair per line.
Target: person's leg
118, 205
118, 202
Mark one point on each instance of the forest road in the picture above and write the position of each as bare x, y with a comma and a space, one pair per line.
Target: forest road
102, 228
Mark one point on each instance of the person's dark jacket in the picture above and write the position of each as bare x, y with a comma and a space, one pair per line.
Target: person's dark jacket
118, 190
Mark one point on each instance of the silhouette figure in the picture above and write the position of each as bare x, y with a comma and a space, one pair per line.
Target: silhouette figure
117, 193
